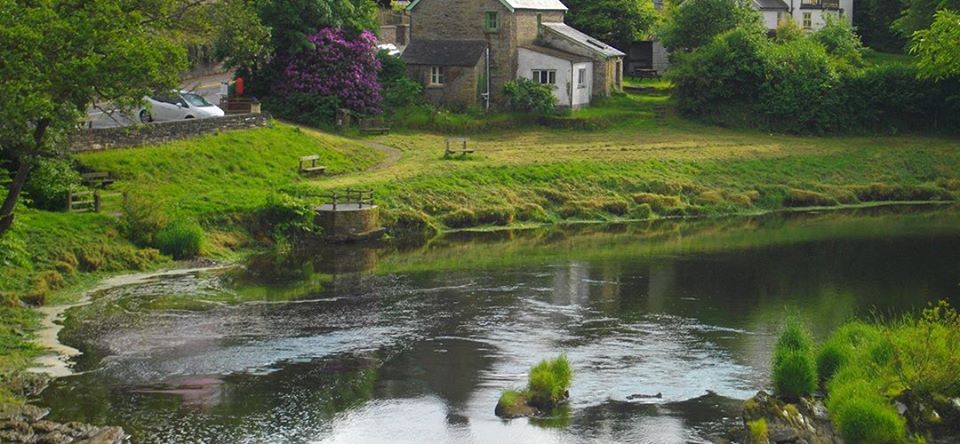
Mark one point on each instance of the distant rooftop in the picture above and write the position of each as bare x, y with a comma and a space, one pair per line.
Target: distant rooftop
584, 39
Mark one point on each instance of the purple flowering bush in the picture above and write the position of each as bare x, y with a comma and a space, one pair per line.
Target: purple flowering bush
338, 66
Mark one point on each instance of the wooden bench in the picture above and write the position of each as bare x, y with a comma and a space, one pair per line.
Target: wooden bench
97, 179
452, 148
646, 73
313, 168
374, 126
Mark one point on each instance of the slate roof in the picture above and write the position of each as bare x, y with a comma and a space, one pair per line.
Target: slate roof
513, 5
568, 56
771, 5
444, 52
584, 40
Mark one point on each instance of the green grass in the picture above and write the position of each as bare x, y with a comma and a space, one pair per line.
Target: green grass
876, 58
915, 359
794, 371
547, 386
228, 172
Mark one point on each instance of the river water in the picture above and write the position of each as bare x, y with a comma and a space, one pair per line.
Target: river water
413, 343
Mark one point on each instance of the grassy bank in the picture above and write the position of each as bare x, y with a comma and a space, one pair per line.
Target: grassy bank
629, 157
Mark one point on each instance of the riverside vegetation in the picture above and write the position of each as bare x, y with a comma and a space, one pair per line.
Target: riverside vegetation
630, 157
547, 387
885, 382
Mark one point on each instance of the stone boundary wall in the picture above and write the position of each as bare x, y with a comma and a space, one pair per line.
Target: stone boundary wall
97, 139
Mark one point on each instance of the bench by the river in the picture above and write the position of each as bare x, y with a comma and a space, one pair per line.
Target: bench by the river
457, 145
308, 165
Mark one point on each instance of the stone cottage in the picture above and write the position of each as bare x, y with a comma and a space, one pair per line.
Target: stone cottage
464, 51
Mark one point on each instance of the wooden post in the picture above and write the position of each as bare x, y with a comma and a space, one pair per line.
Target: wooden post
96, 201
69, 201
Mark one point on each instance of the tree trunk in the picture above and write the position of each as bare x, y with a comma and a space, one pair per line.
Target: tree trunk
13, 193
23, 172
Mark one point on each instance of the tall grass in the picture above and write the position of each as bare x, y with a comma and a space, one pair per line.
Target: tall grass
794, 371
547, 386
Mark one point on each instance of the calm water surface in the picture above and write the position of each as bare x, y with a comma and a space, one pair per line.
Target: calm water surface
414, 344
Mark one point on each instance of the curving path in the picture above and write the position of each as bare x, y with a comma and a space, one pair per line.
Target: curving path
393, 155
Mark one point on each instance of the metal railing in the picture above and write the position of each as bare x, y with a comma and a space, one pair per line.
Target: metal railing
349, 197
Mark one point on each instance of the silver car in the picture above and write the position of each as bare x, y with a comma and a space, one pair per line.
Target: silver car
177, 105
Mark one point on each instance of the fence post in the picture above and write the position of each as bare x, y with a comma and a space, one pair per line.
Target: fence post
69, 201
96, 201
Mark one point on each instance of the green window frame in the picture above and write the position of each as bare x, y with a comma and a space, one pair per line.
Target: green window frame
491, 21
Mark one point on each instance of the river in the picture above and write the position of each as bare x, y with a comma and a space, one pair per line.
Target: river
414, 342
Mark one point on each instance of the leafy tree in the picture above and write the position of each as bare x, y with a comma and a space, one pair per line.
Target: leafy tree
838, 38
938, 48
61, 55
617, 22
292, 21
919, 15
694, 23
243, 41
874, 19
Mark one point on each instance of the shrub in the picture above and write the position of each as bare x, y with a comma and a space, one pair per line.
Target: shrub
286, 217
788, 31
549, 381
730, 69
336, 66
794, 373
304, 108
840, 41
397, 89
525, 95
798, 88
695, 23
180, 239
141, 220
615, 207
49, 183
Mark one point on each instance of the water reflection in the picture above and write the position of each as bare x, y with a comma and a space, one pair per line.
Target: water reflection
414, 343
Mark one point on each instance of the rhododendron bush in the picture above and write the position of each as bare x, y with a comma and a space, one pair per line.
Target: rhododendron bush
338, 66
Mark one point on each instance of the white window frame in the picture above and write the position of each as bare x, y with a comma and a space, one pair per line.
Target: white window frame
582, 78
807, 21
437, 76
545, 76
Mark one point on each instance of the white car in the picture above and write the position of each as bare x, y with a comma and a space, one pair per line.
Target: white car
177, 105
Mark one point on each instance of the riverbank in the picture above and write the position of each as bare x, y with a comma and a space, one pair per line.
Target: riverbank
634, 161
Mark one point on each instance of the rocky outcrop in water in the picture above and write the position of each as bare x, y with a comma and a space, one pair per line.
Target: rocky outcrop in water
805, 421
25, 424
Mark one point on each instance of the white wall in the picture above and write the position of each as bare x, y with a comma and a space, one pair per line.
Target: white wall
581, 96
770, 18
566, 75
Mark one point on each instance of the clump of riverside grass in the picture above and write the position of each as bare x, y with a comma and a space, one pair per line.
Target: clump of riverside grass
547, 387
794, 373
180, 239
866, 367
915, 360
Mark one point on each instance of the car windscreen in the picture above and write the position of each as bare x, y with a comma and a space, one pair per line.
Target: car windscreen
196, 99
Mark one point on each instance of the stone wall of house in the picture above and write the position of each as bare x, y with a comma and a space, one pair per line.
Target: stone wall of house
460, 88
96, 139
398, 35
526, 24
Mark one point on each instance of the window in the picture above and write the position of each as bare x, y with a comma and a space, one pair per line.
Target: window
582, 78
545, 76
807, 21
436, 75
491, 22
